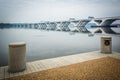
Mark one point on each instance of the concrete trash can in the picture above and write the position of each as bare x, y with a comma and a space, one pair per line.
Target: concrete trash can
106, 44
17, 60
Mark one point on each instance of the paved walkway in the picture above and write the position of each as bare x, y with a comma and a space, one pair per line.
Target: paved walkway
56, 62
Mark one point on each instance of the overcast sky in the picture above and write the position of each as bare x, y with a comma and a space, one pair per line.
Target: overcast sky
56, 10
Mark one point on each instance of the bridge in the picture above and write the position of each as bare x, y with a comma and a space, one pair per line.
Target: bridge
103, 24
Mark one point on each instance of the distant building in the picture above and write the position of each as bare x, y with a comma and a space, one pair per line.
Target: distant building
44, 21
71, 19
91, 17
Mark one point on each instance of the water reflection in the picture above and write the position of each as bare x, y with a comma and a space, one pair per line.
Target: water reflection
49, 44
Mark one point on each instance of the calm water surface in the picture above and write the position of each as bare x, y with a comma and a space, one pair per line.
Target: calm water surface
49, 44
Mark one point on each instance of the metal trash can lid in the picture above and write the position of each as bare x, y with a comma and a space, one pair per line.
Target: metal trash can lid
17, 44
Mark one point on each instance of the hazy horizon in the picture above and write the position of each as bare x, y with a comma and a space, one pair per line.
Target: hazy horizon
29, 11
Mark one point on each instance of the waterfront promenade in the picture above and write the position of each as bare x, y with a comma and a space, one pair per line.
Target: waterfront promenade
45, 64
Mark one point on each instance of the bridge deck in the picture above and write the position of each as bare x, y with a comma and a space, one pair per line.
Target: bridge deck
56, 62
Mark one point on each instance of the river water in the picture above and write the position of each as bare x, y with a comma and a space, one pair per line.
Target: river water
50, 44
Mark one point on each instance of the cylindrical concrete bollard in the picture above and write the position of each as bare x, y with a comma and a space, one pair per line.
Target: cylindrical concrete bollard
17, 60
106, 44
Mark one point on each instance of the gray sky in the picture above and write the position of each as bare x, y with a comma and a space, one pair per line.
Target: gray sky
56, 10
